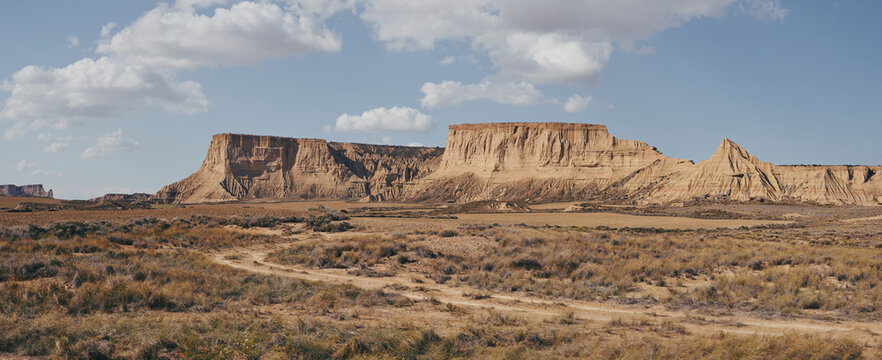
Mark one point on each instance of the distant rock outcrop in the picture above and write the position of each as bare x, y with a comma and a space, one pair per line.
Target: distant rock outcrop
35, 190
508, 162
127, 198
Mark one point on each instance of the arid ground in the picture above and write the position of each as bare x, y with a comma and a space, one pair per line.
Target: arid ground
318, 280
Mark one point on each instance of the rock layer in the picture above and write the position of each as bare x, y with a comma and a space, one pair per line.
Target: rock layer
508, 161
35, 190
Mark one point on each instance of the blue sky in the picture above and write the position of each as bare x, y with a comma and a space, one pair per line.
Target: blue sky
88, 108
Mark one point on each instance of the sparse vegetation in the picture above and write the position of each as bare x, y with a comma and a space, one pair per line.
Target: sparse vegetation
727, 270
150, 288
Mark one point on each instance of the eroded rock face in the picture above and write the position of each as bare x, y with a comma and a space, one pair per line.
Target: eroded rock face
508, 161
247, 167
532, 161
35, 190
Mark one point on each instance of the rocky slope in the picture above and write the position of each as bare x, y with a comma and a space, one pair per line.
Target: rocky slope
35, 190
508, 161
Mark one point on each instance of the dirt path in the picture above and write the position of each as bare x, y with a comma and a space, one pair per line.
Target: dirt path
253, 259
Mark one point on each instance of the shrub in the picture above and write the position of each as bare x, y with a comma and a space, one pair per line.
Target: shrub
448, 233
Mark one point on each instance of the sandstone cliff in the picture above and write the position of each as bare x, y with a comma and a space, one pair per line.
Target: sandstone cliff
508, 161
246, 167
532, 161
35, 190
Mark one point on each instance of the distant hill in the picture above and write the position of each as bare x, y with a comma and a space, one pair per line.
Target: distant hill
35, 190
129, 198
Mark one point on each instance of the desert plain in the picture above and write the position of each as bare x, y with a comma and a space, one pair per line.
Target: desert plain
338, 279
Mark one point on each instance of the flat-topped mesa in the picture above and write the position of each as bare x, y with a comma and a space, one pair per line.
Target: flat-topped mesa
34, 190
250, 167
532, 161
586, 151
508, 161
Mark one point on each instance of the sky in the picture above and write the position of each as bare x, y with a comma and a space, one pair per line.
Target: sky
123, 96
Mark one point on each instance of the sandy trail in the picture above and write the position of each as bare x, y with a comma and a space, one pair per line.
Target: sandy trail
253, 260
871, 218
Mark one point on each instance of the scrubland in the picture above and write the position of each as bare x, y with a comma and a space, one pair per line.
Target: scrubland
150, 288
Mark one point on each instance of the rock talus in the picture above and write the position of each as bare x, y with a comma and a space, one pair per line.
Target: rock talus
508, 161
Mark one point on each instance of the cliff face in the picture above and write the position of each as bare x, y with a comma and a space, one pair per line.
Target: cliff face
532, 161
245, 167
35, 190
507, 161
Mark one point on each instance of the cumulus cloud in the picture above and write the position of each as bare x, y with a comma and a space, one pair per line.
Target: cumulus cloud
246, 33
577, 103
109, 143
449, 93
554, 41
137, 66
93, 89
383, 119
547, 57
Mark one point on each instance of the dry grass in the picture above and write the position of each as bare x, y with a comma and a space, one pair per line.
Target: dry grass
9, 202
779, 272
142, 288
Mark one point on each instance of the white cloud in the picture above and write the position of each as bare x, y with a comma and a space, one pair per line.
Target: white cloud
246, 33
108, 143
554, 41
449, 93
41, 172
769, 10
23, 164
417, 25
56, 143
22, 127
138, 64
415, 144
447, 60
383, 119
93, 89
547, 57
577, 103
73, 41
56, 147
